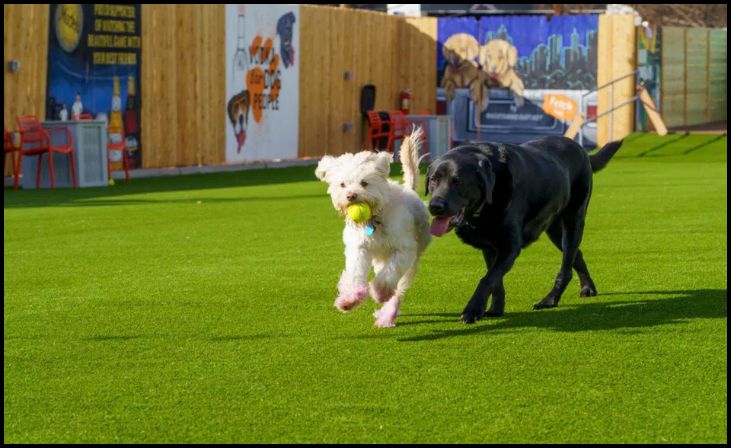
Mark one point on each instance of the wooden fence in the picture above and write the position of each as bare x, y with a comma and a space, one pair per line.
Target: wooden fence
183, 76
616, 58
183, 85
341, 50
392, 53
693, 78
26, 40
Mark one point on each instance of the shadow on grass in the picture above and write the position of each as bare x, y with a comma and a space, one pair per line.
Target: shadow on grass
593, 315
104, 338
703, 144
246, 337
663, 142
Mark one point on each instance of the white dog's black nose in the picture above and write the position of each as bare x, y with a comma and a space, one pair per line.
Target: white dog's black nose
352, 197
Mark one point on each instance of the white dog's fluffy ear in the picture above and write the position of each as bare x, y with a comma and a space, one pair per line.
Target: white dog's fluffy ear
325, 165
383, 163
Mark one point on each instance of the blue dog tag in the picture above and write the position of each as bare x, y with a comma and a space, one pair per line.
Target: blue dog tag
369, 229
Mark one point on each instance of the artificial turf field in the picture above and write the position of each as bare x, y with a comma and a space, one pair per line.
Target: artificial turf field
199, 309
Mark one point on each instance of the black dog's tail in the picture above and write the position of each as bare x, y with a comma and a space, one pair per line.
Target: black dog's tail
601, 158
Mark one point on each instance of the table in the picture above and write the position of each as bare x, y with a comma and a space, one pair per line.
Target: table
90, 153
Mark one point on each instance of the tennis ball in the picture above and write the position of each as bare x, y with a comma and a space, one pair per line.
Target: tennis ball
111, 182
359, 212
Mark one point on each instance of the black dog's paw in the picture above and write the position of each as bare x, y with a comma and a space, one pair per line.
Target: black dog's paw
493, 313
548, 302
469, 317
587, 291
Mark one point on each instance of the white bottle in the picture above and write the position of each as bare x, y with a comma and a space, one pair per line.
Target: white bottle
77, 108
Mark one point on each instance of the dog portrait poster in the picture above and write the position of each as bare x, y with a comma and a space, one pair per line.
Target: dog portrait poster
556, 54
262, 82
516, 61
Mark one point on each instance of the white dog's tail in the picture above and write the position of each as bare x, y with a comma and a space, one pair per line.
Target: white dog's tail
409, 155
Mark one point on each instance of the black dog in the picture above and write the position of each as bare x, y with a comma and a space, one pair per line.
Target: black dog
501, 197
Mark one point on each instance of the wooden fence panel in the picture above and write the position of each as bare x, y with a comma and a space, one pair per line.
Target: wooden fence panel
693, 76
673, 76
696, 75
389, 52
717, 77
26, 39
616, 58
183, 85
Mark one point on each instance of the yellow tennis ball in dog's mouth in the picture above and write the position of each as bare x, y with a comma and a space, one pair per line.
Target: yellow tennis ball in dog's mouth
360, 212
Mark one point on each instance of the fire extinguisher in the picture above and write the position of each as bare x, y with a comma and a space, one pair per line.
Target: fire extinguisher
406, 101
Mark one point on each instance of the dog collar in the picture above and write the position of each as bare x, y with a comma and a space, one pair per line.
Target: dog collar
369, 229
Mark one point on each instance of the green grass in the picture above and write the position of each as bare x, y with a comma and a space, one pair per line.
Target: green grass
199, 308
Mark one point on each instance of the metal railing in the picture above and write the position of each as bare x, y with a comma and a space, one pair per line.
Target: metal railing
611, 109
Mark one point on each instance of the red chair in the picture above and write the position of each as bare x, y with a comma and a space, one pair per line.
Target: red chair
121, 146
31, 133
379, 128
86, 117
11, 149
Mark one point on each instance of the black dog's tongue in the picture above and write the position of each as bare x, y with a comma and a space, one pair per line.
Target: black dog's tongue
440, 225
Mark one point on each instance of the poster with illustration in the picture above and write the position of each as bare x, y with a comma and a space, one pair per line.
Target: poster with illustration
94, 70
262, 82
513, 78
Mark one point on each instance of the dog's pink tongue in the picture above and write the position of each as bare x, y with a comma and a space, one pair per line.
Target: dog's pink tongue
440, 225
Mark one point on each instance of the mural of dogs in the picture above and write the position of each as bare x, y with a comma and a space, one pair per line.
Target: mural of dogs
238, 112
498, 58
460, 51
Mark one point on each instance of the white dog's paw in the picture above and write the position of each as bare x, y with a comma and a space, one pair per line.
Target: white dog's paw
347, 300
385, 324
386, 320
386, 317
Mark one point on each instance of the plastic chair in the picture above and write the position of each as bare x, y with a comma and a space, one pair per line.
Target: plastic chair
121, 146
379, 128
32, 133
11, 149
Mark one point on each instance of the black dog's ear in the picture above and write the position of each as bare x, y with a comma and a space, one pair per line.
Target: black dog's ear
488, 178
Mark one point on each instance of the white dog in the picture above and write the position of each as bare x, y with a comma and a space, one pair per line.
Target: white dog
394, 238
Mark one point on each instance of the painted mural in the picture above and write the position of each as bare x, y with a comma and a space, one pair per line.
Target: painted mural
262, 85
511, 78
94, 69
